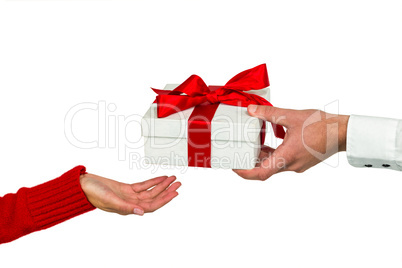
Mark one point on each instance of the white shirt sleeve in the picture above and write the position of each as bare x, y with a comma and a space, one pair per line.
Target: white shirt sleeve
374, 142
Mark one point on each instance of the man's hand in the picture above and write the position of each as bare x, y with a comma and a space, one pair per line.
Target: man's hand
311, 137
124, 199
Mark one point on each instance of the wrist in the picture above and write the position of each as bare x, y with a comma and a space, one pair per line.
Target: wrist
83, 182
342, 132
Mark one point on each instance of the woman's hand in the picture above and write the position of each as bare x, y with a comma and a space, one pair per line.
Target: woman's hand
124, 199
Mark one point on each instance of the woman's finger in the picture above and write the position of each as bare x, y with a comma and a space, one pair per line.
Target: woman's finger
145, 185
159, 188
159, 202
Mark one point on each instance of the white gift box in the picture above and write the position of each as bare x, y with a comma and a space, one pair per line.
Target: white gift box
235, 136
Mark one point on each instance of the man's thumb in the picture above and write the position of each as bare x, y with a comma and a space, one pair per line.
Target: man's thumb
269, 113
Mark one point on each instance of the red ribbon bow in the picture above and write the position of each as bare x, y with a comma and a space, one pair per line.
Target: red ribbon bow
232, 93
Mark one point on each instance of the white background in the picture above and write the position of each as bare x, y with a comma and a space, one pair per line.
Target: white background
56, 54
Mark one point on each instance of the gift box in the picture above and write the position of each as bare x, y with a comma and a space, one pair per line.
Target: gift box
193, 124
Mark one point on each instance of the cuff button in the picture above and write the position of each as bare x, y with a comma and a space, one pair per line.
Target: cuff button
385, 165
368, 165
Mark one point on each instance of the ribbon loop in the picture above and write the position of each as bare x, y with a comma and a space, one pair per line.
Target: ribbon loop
232, 93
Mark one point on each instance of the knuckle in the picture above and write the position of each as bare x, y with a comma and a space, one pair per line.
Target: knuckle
290, 159
299, 169
150, 208
123, 210
135, 187
262, 177
264, 110
321, 113
144, 195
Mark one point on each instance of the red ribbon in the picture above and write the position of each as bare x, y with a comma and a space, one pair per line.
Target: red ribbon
198, 94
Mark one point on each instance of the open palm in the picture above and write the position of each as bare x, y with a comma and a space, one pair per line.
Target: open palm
124, 199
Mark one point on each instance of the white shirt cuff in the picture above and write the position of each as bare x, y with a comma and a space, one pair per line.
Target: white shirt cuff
374, 142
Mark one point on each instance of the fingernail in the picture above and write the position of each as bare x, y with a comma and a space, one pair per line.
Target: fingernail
138, 211
252, 108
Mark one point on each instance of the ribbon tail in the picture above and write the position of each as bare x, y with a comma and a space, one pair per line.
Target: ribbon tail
279, 131
165, 92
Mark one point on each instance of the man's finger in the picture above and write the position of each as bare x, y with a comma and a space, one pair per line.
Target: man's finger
265, 152
272, 163
272, 114
269, 167
248, 174
256, 174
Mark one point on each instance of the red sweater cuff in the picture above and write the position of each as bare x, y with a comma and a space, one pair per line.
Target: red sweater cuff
58, 200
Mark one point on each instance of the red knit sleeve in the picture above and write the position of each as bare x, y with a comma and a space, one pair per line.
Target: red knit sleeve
42, 206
